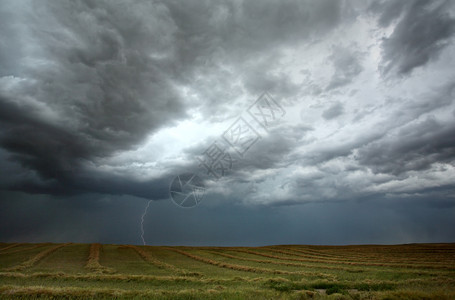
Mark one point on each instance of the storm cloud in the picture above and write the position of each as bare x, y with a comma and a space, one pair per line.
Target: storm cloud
107, 100
423, 29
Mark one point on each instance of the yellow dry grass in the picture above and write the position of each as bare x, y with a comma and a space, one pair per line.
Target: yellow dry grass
271, 272
324, 261
10, 246
24, 249
35, 259
237, 267
146, 256
93, 261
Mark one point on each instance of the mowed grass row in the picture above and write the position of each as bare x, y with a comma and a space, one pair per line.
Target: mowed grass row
273, 272
261, 264
283, 254
25, 256
4, 247
423, 261
291, 256
93, 260
402, 252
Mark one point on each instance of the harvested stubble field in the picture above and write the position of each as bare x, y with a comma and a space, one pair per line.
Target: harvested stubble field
83, 271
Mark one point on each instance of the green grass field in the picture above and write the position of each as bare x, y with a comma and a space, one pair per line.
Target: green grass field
83, 271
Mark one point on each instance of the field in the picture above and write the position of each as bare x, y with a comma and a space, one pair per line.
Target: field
84, 271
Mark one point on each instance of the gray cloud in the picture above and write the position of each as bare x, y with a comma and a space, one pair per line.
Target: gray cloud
333, 111
346, 63
414, 148
423, 30
98, 89
109, 76
105, 100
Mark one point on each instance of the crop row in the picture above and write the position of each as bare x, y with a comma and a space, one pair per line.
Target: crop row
162, 265
377, 261
93, 261
401, 254
342, 262
243, 268
10, 246
35, 259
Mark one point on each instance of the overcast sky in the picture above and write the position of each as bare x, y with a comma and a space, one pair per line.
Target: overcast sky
334, 121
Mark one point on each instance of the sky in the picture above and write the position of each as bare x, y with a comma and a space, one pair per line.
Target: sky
227, 122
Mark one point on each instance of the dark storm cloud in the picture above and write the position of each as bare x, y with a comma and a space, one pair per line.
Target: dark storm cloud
423, 30
411, 140
414, 148
97, 182
48, 149
231, 41
95, 78
402, 118
418, 144
97, 100
101, 83
272, 150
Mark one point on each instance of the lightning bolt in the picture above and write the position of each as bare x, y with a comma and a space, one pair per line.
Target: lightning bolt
142, 221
